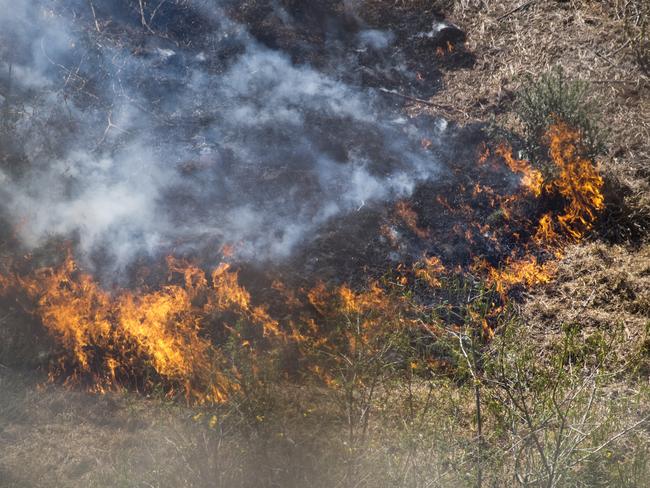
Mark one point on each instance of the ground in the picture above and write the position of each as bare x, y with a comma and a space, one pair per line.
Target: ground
55, 436
606, 283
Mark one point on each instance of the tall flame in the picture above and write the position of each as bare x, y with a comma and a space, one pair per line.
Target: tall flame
578, 181
578, 184
108, 337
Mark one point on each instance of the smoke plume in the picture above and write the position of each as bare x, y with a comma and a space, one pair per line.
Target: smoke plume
134, 144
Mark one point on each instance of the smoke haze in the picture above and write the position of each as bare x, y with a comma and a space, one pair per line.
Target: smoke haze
141, 145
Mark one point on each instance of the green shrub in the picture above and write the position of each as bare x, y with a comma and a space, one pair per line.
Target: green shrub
540, 103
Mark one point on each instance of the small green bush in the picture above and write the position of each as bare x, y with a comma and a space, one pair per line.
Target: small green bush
553, 97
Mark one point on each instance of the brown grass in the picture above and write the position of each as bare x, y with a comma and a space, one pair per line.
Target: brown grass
599, 284
51, 437
589, 40
598, 287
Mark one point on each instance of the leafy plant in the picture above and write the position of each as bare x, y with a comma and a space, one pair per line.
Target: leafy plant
552, 98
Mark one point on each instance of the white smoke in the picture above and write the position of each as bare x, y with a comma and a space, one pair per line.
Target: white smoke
149, 150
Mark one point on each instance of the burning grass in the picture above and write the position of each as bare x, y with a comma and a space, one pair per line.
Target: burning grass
608, 79
379, 376
142, 338
185, 334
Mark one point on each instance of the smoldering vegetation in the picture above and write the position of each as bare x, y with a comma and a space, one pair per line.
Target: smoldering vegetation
174, 129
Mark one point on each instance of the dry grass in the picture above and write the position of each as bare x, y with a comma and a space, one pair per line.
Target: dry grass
589, 41
598, 284
599, 288
53, 437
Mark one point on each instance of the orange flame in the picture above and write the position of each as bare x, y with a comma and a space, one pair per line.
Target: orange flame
107, 336
172, 335
442, 51
578, 181
520, 271
406, 213
429, 270
531, 178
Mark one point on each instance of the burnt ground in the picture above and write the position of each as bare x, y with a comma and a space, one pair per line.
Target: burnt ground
387, 56
391, 56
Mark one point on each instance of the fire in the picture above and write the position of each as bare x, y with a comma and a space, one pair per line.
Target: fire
109, 337
484, 154
527, 271
358, 303
447, 49
181, 334
354, 322
579, 187
410, 218
578, 181
578, 184
545, 233
430, 270
531, 178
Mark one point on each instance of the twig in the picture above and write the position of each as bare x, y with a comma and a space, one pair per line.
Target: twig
613, 81
69, 72
602, 56
516, 9
143, 19
92, 8
110, 125
623, 46
613, 439
155, 11
415, 99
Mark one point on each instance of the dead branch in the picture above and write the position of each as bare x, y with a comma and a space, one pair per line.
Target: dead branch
612, 439
155, 11
92, 9
143, 19
516, 9
415, 99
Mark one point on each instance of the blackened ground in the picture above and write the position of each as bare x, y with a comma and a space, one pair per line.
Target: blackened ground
256, 148
398, 48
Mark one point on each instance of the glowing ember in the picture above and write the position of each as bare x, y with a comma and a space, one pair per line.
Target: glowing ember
429, 270
410, 218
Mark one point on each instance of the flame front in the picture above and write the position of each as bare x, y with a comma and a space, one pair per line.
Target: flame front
578, 181
176, 334
579, 187
156, 333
